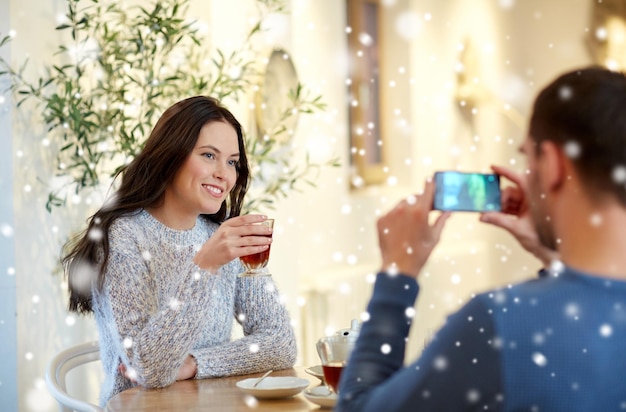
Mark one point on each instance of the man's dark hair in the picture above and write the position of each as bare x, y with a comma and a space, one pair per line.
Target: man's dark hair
584, 111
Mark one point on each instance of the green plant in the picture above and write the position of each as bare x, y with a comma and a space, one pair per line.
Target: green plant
121, 67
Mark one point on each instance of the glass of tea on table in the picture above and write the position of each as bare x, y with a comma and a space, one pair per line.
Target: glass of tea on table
334, 351
256, 264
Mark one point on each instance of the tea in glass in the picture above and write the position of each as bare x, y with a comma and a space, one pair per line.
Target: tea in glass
256, 263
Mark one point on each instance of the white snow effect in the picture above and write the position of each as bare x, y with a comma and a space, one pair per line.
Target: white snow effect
540, 359
38, 398
473, 396
385, 349
440, 363
132, 374
497, 343
174, 304
572, 149
365, 39
506, 4
251, 401
572, 310
70, 320
95, 234
337, 257
556, 267
409, 25
365, 316
410, 312
565, 93
619, 174
455, 279
596, 219
6, 230
127, 342
606, 330
146, 255
499, 297
83, 276
254, 348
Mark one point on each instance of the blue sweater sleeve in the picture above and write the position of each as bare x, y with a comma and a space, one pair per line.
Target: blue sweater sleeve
458, 371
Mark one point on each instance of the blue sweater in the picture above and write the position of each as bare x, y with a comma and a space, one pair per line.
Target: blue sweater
553, 344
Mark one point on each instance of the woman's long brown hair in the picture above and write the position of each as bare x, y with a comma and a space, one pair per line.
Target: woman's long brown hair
143, 184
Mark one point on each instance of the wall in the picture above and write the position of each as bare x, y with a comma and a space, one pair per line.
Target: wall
519, 48
8, 319
325, 246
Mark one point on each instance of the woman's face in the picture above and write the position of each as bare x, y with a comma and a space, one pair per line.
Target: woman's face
207, 176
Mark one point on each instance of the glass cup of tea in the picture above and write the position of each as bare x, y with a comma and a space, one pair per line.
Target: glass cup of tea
256, 264
334, 351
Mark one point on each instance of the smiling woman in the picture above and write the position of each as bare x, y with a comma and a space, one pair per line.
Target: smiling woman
158, 263
204, 180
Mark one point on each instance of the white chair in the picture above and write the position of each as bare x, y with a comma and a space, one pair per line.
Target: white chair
60, 365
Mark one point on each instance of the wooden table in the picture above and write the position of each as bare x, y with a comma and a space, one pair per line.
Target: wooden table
218, 394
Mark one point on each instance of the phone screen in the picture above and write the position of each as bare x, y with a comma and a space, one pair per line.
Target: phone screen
467, 192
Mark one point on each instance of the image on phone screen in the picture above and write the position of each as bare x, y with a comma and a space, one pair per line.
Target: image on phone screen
467, 192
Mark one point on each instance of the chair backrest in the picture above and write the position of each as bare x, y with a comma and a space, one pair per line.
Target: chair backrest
60, 365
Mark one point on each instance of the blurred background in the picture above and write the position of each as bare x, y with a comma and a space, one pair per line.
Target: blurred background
445, 84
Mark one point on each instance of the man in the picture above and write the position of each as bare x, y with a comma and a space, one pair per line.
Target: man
556, 343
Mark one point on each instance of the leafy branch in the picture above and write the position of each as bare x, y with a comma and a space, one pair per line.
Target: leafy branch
122, 66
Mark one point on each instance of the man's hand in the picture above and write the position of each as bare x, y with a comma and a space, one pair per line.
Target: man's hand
405, 236
516, 217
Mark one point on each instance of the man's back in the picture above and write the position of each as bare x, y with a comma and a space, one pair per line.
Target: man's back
562, 343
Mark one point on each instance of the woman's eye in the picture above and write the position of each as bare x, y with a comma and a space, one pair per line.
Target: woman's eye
209, 155
233, 162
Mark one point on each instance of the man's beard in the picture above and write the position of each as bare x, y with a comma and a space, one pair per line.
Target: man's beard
543, 225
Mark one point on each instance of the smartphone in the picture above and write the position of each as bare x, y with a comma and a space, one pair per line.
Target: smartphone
467, 192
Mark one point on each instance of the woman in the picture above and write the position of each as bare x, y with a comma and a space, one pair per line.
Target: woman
158, 264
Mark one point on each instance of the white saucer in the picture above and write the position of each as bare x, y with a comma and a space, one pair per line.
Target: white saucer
273, 387
316, 371
322, 396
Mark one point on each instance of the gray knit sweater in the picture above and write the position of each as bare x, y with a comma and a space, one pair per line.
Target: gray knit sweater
157, 307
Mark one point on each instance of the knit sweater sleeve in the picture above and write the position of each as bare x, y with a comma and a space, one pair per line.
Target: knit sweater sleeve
458, 371
157, 333
269, 339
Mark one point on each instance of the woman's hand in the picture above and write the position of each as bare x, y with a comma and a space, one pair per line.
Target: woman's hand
234, 238
188, 370
516, 217
405, 236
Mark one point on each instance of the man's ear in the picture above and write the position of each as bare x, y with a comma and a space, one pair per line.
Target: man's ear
554, 165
